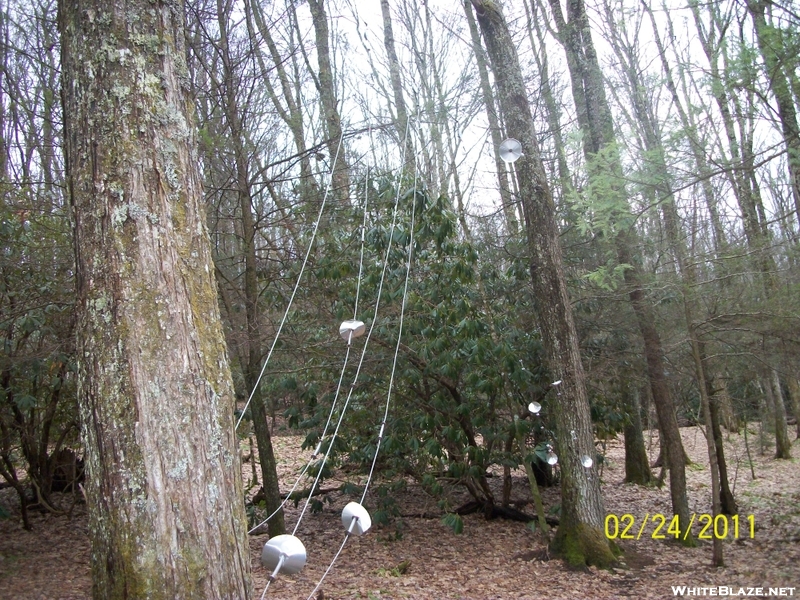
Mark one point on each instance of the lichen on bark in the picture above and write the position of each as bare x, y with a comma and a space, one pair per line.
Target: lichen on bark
155, 391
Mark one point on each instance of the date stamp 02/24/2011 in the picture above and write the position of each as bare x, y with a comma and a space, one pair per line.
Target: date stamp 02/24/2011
660, 527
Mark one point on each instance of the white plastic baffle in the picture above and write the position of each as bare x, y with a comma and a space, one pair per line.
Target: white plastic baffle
510, 150
356, 519
552, 457
351, 329
283, 552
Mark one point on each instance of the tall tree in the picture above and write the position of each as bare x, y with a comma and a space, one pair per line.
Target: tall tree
607, 184
325, 84
166, 513
397, 87
509, 210
580, 537
289, 104
252, 353
712, 39
658, 186
769, 42
38, 413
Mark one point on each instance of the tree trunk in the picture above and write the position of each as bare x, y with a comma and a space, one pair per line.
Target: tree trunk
783, 447
553, 110
508, 203
768, 413
166, 511
727, 412
794, 397
779, 85
705, 406
671, 444
403, 131
726, 499
330, 107
580, 537
637, 465
594, 117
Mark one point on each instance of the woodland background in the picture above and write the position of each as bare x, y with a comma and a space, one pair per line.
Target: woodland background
687, 210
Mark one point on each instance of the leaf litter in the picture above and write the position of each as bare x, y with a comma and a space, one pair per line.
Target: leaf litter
418, 557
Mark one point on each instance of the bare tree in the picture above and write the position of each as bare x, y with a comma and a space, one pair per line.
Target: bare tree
653, 160
508, 204
769, 42
397, 87
605, 173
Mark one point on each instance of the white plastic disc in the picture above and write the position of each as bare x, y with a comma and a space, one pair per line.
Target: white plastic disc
556, 383
351, 329
587, 462
362, 519
552, 458
534, 407
290, 548
510, 150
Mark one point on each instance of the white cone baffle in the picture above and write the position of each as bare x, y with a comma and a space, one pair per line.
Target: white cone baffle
351, 329
356, 519
552, 458
510, 150
587, 462
534, 407
283, 553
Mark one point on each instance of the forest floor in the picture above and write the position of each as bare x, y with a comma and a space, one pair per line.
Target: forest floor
496, 559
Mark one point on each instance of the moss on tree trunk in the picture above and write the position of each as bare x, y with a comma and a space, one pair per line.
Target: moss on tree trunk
164, 486
581, 545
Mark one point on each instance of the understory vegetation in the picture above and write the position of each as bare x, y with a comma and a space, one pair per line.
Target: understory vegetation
352, 169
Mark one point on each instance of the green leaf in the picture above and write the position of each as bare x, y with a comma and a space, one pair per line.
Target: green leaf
25, 401
454, 522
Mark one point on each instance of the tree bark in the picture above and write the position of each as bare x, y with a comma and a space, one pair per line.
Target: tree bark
637, 465
166, 510
330, 106
783, 447
580, 538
